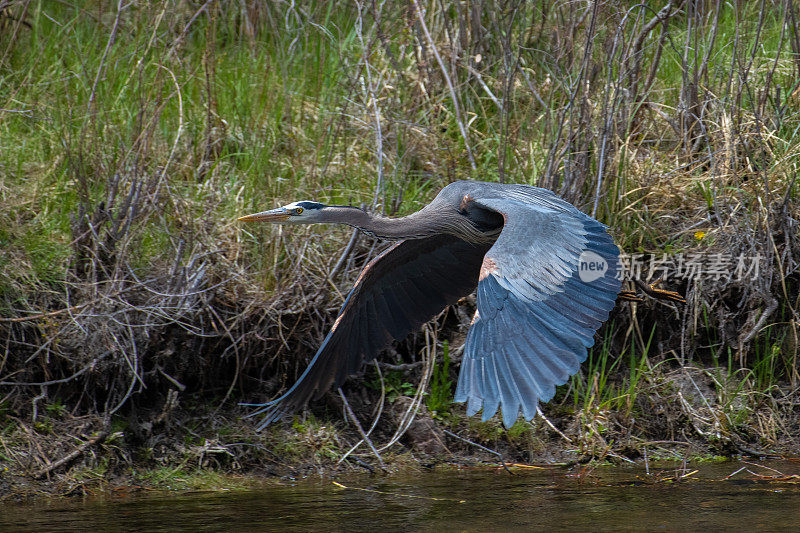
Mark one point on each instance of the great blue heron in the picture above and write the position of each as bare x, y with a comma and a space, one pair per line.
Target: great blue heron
546, 277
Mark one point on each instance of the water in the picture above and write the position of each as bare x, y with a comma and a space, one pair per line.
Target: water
611, 499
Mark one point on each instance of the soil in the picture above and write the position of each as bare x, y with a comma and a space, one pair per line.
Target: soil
183, 447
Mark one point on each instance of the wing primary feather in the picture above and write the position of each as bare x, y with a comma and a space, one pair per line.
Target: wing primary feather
552, 365
392, 322
511, 376
401, 319
414, 293
522, 367
561, 327
491, 398
526, 384
389, 300
555, 338
509, 393
465, 384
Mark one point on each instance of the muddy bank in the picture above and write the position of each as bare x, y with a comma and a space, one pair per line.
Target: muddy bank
184, 445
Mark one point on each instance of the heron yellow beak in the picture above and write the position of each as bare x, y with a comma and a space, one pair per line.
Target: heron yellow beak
274, 215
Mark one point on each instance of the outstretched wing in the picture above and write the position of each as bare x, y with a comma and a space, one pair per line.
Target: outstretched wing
546, 286
395, 294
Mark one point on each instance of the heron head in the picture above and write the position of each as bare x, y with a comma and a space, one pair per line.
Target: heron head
294, 213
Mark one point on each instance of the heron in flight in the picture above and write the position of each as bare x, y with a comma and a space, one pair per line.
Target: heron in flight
546, 277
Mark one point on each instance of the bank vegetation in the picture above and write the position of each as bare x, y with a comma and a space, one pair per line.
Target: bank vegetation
136, 313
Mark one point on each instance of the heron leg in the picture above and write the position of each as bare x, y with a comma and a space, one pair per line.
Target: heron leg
652, 291
630, 296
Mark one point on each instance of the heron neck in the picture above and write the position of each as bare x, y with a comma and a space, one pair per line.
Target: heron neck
410, 227
414, 226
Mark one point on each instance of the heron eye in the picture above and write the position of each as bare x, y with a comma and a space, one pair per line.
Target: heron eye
298, 210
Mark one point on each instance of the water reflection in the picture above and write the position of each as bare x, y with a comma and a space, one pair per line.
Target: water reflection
553, 499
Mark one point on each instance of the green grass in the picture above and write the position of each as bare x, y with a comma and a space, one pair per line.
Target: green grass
187, 479
603, 382
213, 120
440, 393
394, 383
280, 107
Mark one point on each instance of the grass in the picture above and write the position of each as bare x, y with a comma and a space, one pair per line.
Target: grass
192, 480
131, 140
440, 395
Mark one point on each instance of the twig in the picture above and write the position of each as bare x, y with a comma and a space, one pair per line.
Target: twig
71, 455
486, 88
109, 44
180, 126
413, 408
172, 380
452, 89
119, 292
734, 473
772, 305
541, 414
364, 436
375, 419
403, 367
55, 381
20, 21
347, 251
371, 96
45, 315
183, 33
482, 447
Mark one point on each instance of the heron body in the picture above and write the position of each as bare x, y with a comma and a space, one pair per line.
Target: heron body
546, 279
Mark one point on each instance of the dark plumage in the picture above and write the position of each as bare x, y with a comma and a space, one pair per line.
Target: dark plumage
311, 205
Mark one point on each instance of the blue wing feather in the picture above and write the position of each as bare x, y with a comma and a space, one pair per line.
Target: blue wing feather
536, 315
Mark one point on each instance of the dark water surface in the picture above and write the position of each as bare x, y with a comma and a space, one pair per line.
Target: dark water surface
582, 499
